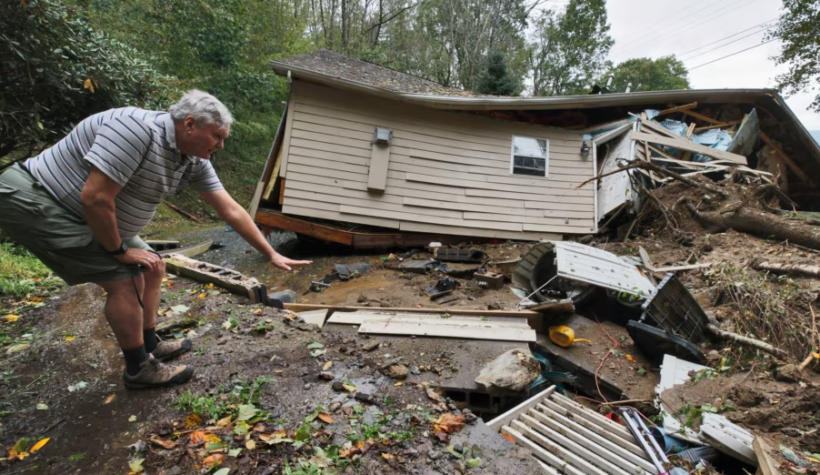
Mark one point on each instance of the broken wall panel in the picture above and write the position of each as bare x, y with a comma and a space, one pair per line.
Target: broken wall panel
615, 190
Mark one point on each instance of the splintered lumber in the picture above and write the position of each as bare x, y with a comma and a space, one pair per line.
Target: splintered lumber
684, 144
765, 463
456, 329
698, 115
227, 279
655, 127
182, 211
813, 271
189, 251
682, 108
786, 159
743, 340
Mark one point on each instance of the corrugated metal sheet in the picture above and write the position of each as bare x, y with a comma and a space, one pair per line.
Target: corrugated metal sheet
598, 267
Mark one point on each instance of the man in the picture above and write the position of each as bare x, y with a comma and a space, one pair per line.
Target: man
80, 205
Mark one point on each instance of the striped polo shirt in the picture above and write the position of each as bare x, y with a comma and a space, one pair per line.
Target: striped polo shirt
134, 147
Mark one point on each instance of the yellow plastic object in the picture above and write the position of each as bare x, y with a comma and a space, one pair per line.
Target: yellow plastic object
564, 336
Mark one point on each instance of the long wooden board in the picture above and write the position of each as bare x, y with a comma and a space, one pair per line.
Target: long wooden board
460, 331
684, 144
360, 317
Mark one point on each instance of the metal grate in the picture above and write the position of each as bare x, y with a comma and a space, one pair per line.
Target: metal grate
675, 310
566, 437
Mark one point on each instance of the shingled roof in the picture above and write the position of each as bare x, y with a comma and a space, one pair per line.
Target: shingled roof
336, 65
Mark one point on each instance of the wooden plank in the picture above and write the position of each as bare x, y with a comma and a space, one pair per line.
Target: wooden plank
303, 307
188, 251
274, 175
678, 109
315, 317
698, 115
282, 191
595, 463
360, 317
379, 163
377, 213
507, 417
624, 458
285, 150
553, 447
786, 159
467, 332
475, 232
765, 463
688, 145
655, 127
287, 223
227, 279
540, 453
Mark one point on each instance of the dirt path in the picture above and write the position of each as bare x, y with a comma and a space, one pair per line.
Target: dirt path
91, 425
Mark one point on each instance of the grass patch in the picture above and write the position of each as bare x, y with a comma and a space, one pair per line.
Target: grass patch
21, 273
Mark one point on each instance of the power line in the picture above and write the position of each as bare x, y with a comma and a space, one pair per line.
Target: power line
730, 55
644, 34
724, 45
696, 23
727, 37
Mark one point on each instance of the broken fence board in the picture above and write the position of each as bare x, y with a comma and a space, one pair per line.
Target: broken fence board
468, 332
684, 144
227, 279
358, 318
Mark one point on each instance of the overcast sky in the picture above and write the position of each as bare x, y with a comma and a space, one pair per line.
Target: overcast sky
654, 28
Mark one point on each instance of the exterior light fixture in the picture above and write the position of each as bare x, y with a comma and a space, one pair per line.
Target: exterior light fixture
584, 149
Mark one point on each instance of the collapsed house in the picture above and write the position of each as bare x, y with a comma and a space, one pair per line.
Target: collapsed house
371, 157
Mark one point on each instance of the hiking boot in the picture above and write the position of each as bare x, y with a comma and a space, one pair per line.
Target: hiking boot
154, 374
166, 350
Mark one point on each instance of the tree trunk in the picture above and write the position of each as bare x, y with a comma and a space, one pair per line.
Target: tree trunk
754, 221
813, 271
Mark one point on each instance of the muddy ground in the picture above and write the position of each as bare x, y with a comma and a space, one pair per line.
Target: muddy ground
91, 426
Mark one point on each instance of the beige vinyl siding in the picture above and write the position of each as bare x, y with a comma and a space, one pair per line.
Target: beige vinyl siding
448, 172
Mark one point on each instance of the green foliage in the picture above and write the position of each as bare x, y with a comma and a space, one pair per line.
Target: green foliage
21, 273
645, 74
239, 401
798, 31
569, 49
497, 79
57, 70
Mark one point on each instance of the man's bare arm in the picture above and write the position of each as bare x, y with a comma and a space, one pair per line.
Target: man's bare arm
235, 215
97, 198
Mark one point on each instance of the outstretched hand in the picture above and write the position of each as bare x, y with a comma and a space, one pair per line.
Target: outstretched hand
283, 262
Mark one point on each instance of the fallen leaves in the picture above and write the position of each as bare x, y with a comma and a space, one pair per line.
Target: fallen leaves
246, 412
509, 438
10, 318
327, 366
213, 459
77, 387
449, 423
630, 358
132, 419
136, 465
179, 308
18, 450
164, 443
193, 421
325, 417
70, 338
17, 348
110, 399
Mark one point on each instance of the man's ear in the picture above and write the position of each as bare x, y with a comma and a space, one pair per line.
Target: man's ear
189, 122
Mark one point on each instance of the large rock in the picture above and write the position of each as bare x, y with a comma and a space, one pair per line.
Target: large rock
512, 371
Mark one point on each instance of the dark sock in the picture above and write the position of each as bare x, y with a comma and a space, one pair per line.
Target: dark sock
149, 336
133, 358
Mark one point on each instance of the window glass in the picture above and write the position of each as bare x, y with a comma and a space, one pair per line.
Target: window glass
530, 156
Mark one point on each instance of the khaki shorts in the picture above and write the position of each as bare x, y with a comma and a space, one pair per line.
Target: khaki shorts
33, 218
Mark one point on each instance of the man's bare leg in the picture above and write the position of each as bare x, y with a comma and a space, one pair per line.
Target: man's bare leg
150, 299
124, 315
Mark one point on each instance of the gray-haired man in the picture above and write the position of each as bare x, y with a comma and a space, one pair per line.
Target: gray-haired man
80, 205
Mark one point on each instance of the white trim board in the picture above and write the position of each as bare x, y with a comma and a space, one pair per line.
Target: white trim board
467, 332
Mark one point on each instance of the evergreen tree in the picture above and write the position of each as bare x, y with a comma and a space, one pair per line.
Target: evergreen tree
496, 79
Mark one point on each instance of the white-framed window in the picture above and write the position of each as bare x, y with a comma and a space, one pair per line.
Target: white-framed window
530, 156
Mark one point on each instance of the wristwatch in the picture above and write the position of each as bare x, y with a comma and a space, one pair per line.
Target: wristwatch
119, 251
